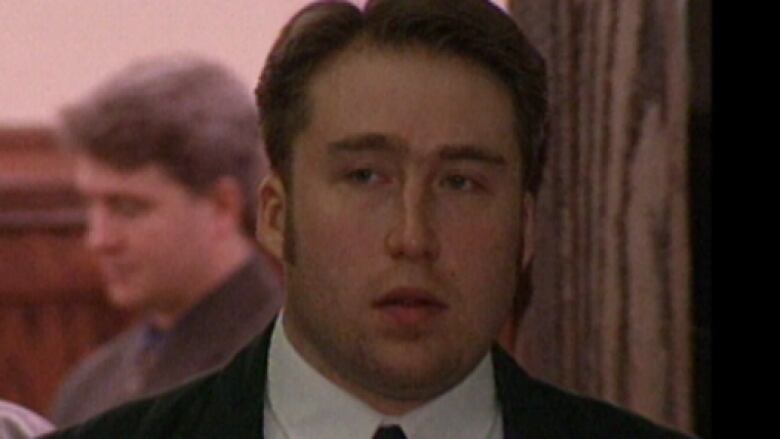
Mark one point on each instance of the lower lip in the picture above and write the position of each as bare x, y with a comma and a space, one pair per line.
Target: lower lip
411, 315
113, 274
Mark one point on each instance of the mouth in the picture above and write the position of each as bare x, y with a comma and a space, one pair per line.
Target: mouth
113, 273
409, 306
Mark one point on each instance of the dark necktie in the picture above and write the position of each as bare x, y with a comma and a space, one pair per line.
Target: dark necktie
390, 432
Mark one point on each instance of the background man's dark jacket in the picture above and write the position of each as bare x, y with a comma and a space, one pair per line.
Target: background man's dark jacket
203, 341
229, 404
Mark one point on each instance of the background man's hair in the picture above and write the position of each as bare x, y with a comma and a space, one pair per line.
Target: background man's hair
191, 116
475, 30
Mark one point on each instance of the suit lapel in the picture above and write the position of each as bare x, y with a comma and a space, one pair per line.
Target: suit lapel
238, 400
526, 412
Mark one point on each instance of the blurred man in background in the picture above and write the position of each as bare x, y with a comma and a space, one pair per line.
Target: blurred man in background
167, 157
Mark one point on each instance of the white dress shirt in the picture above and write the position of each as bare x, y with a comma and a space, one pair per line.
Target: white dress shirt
302, 404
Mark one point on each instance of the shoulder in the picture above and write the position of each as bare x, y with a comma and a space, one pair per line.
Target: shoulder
224, 403
106, 356
87, 375
154, 417
553, 412
593, 418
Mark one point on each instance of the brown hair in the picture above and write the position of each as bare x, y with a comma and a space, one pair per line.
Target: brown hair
476, 30
192, 117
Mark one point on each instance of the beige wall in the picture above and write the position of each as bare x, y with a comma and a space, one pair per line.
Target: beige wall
51, 51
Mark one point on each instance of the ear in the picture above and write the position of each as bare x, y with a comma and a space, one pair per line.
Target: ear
271, 215
228, 202
528, 229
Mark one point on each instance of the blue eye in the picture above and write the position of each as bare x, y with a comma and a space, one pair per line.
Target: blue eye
362, 175
459, 182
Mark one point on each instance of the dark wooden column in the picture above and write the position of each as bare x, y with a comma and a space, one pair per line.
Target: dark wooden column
51, 306
610, 315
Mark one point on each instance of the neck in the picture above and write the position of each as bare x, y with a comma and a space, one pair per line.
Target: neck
225, 259
382, 404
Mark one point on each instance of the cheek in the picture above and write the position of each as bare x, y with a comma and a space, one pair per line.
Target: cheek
483, 256
341, 236
329, 257
487, 237
487, 268
178, 237
150, 236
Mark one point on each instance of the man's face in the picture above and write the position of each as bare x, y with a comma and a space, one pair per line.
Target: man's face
149, 232
406, 214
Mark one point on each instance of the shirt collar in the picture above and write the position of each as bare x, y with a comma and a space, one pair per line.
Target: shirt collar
307, 405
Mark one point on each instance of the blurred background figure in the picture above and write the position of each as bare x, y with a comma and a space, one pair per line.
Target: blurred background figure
16, 422
167, 157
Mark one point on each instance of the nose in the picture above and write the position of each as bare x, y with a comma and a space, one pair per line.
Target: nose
412, 235
101, 234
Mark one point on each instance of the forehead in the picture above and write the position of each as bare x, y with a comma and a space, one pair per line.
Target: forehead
423, 98
95, 176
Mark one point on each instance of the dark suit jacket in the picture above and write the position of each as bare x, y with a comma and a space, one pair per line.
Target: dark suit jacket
229, 404
204, 340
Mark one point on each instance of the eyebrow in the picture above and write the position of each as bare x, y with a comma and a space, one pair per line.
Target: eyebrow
367, 142
471, 153
383, 143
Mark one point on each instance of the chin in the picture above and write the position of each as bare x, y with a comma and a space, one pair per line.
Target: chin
123, 297
416, 374
422, 383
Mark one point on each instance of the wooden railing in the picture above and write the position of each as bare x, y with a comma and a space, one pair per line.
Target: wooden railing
51, 307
